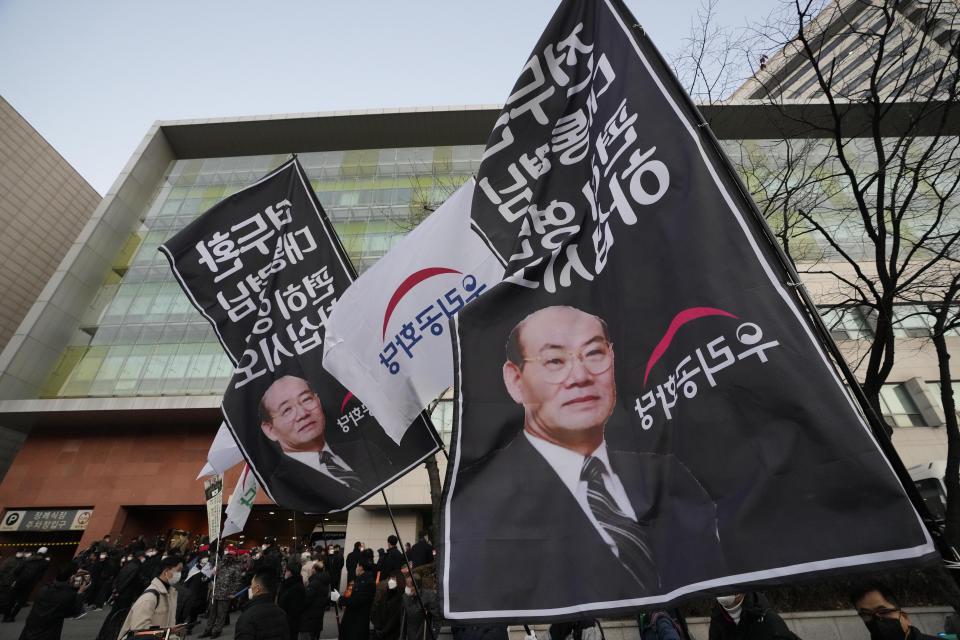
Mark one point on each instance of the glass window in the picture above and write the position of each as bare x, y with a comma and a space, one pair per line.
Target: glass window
846, 323
910, 321
442, 418
899, 409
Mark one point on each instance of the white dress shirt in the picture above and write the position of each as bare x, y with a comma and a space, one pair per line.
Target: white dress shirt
567, 464
312, 460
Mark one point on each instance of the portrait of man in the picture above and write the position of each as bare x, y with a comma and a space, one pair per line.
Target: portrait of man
592, 519
292, 416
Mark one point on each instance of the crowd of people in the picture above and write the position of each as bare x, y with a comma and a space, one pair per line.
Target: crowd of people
283, 594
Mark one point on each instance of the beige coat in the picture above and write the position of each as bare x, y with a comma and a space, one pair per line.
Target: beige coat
151, 610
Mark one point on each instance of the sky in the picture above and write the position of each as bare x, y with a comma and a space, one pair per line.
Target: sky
92, 77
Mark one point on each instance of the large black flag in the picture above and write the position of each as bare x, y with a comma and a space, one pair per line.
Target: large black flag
264, 266
644, 413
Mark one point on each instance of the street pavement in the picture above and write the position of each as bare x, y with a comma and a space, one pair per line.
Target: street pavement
87, 627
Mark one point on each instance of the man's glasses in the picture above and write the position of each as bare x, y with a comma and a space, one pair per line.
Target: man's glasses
555, 364
867, 615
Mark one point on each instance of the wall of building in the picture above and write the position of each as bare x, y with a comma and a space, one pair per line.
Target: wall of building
44, 203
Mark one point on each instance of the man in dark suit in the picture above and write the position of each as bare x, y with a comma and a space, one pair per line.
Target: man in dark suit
311, 475
594, 522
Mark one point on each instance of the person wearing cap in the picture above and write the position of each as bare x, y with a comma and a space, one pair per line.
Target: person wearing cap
229, 580
25, 579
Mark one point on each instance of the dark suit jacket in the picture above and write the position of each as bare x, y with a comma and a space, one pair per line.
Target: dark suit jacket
514, 506
295, 485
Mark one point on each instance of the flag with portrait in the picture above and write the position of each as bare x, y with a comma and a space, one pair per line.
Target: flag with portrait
643, 410
265, 267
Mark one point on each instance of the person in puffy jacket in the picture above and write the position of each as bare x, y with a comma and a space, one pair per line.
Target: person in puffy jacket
747, 616
262, 619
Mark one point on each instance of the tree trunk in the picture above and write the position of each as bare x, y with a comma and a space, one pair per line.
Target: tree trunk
436, 490
952, 476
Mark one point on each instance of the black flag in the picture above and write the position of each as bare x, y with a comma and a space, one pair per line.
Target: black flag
264, 266
644, 412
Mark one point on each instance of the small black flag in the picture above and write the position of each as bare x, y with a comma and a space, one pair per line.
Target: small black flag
264, 266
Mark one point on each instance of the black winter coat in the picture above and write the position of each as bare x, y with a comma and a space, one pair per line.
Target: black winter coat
28, 573
387, 614
292, 599
262, 620
316, 602
129, 583
352, 559
417, 616
355, 623
390, 563
54, 602
420, 553
757, 622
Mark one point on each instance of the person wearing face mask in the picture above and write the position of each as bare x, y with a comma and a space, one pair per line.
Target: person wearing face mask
26, 577
157, 605
315, 603
420, 612
229, 580
355, 624
270, 557
194, 594
151, 564
262, 619
387, 612
880, 611
747, 616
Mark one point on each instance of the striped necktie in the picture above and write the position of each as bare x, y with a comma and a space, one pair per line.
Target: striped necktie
629, 536
345, 476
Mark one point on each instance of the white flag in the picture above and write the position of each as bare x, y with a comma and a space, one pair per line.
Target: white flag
224, 453
240, 503
387, 339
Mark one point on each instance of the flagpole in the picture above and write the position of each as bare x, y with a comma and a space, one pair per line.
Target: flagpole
793, 277
406, 560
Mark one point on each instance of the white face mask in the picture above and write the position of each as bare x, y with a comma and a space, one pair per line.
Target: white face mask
150, 554
727, 601
264, 546
19, 555
203, 561
408, 591
175, 578
391, 584
103, 556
